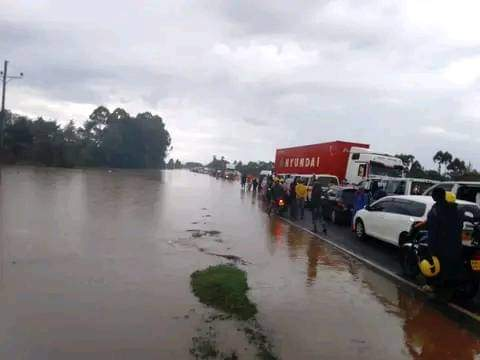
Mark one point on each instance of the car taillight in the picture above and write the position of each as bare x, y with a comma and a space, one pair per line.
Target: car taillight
281, 202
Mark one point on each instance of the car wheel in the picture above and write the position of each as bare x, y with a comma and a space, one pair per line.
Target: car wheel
409, 264
360, 230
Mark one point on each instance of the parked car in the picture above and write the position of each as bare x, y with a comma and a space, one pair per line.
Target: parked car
464, 190
390, 218
339, 204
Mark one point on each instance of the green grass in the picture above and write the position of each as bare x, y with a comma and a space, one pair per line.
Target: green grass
224, 287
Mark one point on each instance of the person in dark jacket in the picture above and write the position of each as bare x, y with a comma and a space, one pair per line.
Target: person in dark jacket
277, 193
360, 201
254, 184
243, 181
293, 200
444, 224
317, 199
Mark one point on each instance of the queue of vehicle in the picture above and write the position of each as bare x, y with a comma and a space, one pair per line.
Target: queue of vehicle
393, 204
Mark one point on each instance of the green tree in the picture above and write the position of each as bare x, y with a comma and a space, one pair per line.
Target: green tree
442, 158
457, 168
106, 139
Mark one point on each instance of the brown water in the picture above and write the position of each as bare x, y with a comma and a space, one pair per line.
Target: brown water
96, 265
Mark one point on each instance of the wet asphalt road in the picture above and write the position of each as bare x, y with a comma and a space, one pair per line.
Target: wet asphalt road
376, 251
379, 252
96, 265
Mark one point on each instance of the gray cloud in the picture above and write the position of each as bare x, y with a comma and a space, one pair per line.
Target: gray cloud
242, 78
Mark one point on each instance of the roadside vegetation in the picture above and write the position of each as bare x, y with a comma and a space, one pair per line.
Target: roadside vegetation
106, 139
449, 168
224, 287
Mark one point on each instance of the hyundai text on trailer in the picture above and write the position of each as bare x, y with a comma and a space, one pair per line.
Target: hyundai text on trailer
349, 162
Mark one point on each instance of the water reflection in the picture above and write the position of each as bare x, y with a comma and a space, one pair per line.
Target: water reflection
423, 332
431, 336
428, 334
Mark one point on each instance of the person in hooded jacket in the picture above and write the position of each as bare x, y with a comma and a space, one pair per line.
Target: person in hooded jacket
444, 225
317, 200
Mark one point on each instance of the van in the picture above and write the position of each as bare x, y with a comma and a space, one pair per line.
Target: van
407, 186
463, 190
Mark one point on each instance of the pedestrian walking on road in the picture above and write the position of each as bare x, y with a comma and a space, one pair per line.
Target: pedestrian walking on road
255, 184
243, 181
317, 211
301, 194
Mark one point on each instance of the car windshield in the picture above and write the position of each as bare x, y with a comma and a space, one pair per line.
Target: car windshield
468, 193
382, 170
395, 187
419, 187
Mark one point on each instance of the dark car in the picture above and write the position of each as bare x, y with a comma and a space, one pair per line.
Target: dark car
338, 205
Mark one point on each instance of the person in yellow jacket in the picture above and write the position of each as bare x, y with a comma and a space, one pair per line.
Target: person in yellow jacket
301, 194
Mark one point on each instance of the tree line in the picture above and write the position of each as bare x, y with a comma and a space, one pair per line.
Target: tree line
453, 168
106, 139
250, 168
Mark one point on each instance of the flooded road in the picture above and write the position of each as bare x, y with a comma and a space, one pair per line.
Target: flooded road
97, 265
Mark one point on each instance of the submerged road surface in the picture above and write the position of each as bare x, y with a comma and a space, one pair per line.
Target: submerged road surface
97, 264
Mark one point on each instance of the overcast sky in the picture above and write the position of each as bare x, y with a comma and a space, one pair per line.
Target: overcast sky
241, 78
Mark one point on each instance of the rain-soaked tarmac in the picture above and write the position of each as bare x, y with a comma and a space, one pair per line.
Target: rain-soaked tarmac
96, 265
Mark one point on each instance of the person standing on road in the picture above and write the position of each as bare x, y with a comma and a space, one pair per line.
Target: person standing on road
444, 224
301, 194
293, 200
360, 201
243, 181
317, 213
254, 184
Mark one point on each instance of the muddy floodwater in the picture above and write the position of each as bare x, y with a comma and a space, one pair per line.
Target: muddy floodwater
96, 264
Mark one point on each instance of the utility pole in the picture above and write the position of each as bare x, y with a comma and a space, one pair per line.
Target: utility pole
3, 114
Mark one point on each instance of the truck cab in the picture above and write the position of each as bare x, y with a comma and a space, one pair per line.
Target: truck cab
364, 164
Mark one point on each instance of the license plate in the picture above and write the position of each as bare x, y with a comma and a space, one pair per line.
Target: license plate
475, 264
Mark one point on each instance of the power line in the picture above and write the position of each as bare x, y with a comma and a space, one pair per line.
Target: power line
5, 79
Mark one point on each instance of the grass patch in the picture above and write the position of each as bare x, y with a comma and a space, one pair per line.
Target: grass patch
224, 287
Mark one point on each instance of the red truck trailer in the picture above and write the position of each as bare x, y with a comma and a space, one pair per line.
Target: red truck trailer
352, 162
327, 158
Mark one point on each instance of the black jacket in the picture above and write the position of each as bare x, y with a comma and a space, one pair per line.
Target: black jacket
317, 195
444, 223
